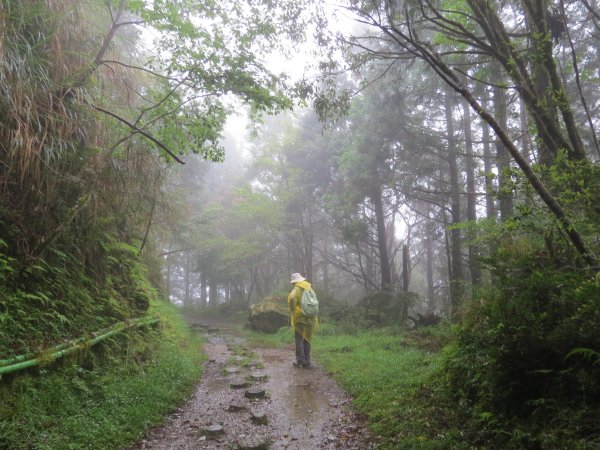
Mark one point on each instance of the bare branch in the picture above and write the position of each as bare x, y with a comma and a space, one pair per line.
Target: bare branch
140, 131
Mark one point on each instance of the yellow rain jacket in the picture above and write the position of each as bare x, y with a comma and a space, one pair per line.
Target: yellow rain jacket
302, 324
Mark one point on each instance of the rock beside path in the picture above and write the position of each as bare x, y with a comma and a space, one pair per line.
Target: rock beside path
269, 315
259, 417
255, 393
213, 430
236, 407
253, 442
239, 383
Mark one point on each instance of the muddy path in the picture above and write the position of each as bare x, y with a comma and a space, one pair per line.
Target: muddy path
253, 398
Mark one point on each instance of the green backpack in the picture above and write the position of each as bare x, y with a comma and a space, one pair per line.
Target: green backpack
309, 305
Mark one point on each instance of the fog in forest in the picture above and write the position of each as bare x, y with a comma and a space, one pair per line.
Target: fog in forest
431, 168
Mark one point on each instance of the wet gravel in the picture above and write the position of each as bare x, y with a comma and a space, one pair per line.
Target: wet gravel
301, 408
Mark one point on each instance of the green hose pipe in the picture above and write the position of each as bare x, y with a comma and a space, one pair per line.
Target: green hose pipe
25, 357
24, 361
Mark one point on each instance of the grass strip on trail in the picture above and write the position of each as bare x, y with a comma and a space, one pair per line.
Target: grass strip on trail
136, 380
392, 382
395, 379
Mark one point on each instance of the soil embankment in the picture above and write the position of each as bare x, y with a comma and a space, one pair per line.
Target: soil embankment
300, 409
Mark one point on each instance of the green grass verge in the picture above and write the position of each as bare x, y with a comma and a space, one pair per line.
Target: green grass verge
136, 380
393, 382
395, 378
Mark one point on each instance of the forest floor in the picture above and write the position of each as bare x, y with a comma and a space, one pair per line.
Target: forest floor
302, 408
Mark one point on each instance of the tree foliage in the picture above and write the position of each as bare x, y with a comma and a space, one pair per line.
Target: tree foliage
90, 113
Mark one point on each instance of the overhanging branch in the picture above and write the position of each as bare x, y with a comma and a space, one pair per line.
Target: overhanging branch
140, 131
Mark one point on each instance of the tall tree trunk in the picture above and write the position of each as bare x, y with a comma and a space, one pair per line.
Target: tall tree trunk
213, 293
503, 157
325, 276
488, 159
308, 246
447, 301
405, 279
540, 188
366, 259
525, 135
384, 259
474, 265
549, 129
390, 232
543, 90
186, 280
405, 268
253, 278
429, 266
168, 278
549, 86
203, 289
260, 288
456, 275
490, 204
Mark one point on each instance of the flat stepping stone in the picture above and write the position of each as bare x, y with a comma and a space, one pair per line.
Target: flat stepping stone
259, 376
255, 393
214, 430
238, 358
232, 370
259, 417
253, 442
239, 383
236, 407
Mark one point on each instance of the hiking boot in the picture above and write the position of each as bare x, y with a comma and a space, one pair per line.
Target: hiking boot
299, 364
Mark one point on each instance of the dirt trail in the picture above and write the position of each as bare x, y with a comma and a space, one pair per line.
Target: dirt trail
302, 408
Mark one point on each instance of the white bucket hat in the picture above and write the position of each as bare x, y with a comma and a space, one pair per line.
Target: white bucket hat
296, 277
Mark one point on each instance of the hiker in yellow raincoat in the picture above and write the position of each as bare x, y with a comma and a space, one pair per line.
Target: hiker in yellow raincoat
303, 326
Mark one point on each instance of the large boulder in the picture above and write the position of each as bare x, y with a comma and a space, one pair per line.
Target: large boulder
270, 314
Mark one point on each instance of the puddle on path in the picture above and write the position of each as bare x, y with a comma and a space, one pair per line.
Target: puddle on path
216, 339
275, 357
304, 402
215, 385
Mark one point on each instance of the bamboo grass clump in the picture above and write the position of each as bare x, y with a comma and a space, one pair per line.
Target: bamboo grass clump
52, 143
71, 188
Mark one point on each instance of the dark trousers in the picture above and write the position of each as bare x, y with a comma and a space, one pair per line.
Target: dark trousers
302, 349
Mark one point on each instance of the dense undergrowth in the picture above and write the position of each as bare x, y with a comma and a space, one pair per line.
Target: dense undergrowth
106, 398
525, 364
392, 379
524, 367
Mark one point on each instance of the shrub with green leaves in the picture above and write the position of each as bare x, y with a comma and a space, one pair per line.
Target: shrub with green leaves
524, 364
525, 358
